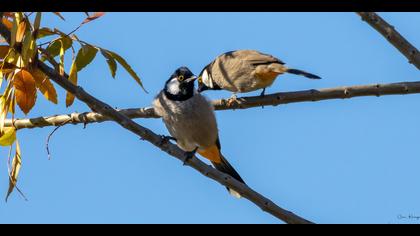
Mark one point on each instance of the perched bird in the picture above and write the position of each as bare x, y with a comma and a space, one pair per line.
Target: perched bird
244, 71
190, 119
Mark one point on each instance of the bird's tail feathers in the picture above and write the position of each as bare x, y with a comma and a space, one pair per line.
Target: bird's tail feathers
225, 167
304, 73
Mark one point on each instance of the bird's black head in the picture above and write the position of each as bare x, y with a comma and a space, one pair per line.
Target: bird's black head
180, 86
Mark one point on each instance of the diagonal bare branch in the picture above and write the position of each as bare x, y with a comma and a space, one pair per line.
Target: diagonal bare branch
241, 103
106, 110
392, 35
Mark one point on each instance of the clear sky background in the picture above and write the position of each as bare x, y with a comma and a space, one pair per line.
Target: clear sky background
334, 161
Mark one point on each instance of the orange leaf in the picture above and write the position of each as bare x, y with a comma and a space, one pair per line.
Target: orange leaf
7, 23
25, 90
20, 31
3, 51
43, 83
95, 16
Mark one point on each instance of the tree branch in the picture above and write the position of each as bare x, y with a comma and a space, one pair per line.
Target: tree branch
107, 111
392, 35
240, 103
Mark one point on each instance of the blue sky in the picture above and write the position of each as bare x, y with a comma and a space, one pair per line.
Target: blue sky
335, 161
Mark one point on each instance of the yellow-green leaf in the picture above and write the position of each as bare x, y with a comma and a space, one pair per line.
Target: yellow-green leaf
12, 57
27, 47
4, 109
43, 83
13, 32
25, 90
12, 102
44, 32
73, 79
55, 47
127, 67
10, 99
14, 173
5, 102
8, 136
85, 56
19, 17
62, 59
111, 62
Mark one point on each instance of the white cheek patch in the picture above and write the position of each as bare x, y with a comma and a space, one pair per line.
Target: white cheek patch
207, 80
173, 87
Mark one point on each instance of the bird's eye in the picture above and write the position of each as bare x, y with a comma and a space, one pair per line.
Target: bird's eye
181, 78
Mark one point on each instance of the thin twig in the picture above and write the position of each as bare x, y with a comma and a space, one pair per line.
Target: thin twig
50, 135
65, 35
392, 35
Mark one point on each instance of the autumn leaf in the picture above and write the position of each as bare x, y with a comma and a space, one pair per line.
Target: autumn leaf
85, 56
4, 109
25, 90
127, 67
12, 58
14, 173
95, 16
20, 31
8, 136
62, 51
5, 103
72, 79
55, 47
13, 32
4, 49
28, 47
12, 102
111, 62
43, 83
6, 22
59, 15
44, 32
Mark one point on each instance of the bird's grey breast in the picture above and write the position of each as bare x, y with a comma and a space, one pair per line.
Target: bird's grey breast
191, 121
